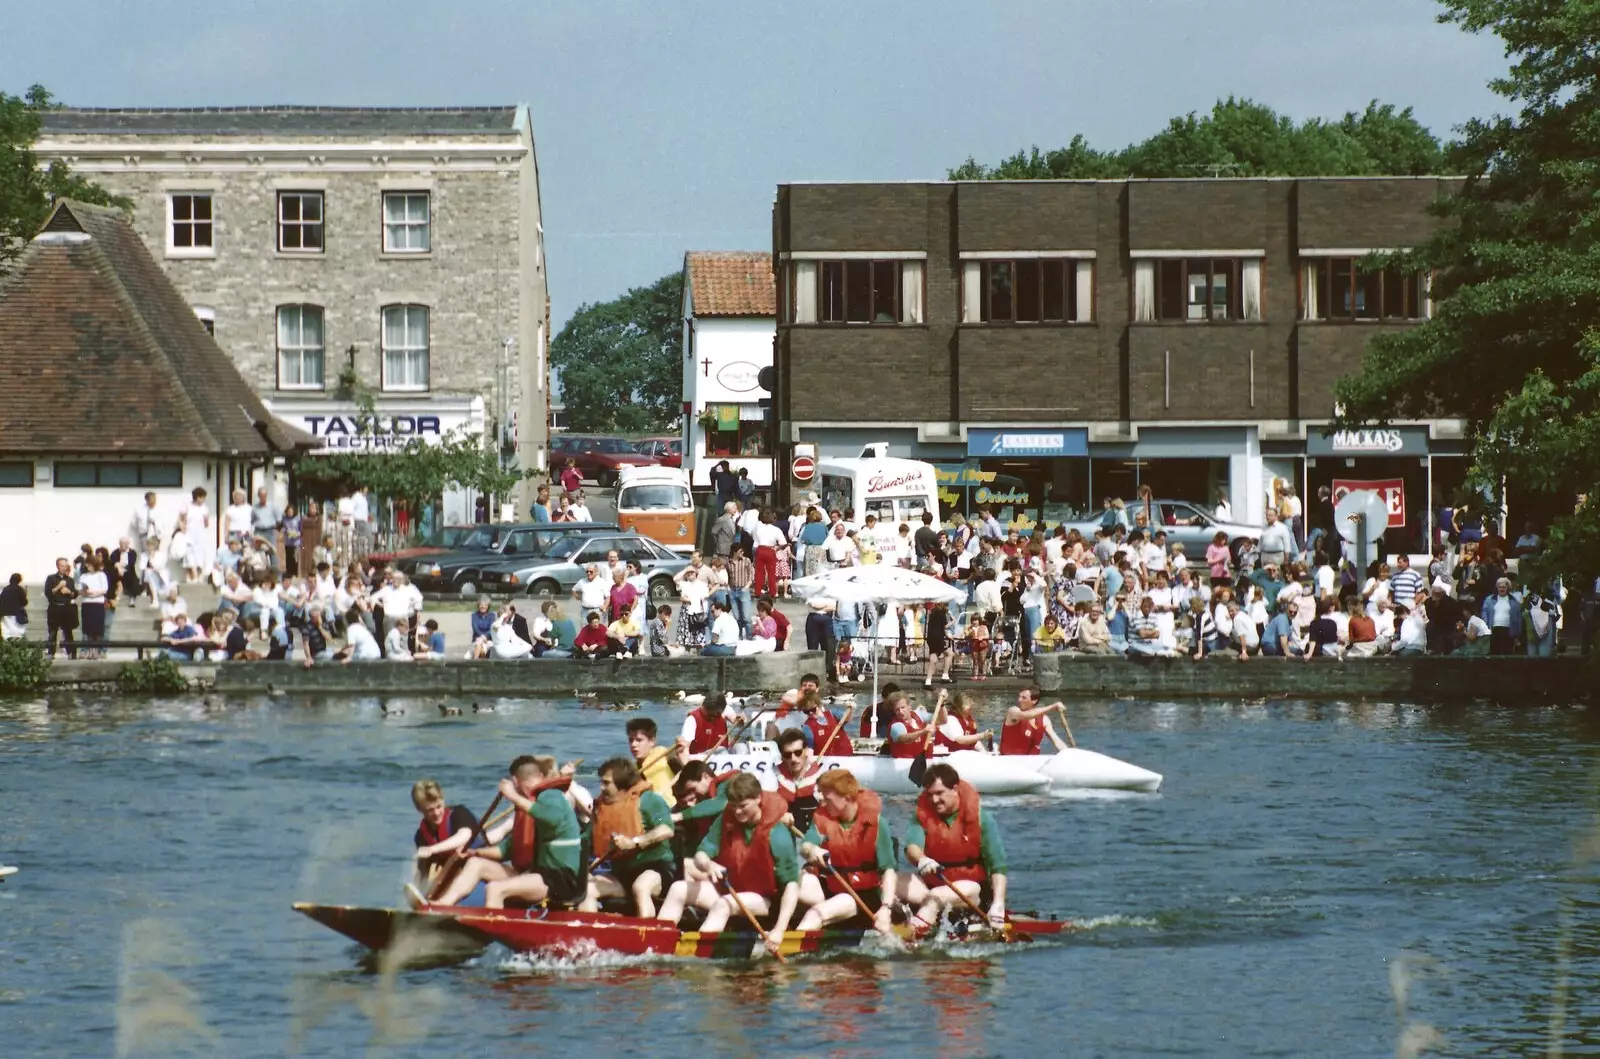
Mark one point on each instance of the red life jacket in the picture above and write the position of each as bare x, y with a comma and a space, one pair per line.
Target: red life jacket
751, 869
911, 747
969, 725
1023, 738
443, 831
805, 786
524, 830
821, 730
958, 846
707, 732
854, 852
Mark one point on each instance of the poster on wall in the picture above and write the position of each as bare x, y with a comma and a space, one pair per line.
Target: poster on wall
1393, 491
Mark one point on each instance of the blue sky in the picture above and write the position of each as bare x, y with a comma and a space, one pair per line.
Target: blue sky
665, 127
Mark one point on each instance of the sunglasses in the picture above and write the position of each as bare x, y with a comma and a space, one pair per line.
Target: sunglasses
795, 753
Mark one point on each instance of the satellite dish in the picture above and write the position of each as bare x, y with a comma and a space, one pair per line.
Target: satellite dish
1361, 502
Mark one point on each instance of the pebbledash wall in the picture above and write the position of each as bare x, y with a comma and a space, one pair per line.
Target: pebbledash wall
1057, 413
470, 255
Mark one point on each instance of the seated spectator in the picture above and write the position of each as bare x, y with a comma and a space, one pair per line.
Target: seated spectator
279, 642
504, 643
591, 641
1363, 632
396, 645
1413, 637
1051, 637
185, 640
724, 630
359, 643
1203, 635
1279, 639
542, 631
1325, 632
482, 627
1478, 637
1243, 635
1144, 631
765, 626
622, 635
435, 640
1117, 624
236, 597
314, 639
658, 635
563, 633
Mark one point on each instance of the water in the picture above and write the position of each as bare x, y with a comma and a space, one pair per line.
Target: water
1303, 864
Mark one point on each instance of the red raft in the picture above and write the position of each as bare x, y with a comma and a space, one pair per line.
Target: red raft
440, 932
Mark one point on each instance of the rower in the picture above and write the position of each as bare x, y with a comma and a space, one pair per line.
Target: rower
655, 762
706, 725
444, 828
1027, 723
820, 723
697, 806
749, 851
906, 737
633, 837
797, 777
539, 860
952, 843
959, 729
771, 723
882, 711
847, 832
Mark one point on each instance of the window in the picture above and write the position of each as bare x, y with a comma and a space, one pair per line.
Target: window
18, 475
657, 496
207, 318
739, 430
854, 291
300, 222
1050, 290
405, 222
1197, 289
115, 475
405, 347
300, 350
189, 224
1338, 288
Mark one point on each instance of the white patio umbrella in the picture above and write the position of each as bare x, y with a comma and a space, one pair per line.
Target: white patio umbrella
875, 583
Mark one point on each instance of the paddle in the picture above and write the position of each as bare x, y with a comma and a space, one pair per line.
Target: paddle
447, 876
839, 878
826, 743
725, 736
728, 889
1073, 743
980, 913
919, 764
601, 859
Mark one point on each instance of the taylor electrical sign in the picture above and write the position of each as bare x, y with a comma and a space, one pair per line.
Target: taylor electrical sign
372, 432
343, 426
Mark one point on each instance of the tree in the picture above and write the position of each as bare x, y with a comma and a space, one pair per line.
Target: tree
1238, 138
27, 192
621, 361
1513, 345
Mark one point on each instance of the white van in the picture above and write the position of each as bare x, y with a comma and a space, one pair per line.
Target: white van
896, 490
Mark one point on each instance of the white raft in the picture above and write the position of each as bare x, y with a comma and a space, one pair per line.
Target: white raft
989, 773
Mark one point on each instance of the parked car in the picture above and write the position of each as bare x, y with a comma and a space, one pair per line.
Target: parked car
553, 574
444, 572
666, 451
445, 539
597, 456
1185, 522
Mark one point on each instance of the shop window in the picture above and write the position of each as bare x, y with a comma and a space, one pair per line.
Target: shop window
1338, 288
118, 475
736, 430
1197, 289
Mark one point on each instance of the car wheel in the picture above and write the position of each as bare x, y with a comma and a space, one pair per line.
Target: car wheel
468, 589
663, 590
606, 479
545, 589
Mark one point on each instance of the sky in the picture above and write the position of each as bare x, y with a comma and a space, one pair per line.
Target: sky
666, 127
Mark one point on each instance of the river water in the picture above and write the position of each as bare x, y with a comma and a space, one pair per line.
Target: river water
1304, 865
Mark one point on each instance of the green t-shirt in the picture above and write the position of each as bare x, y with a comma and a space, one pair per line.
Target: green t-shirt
992, 850
654, 812
785, 858
563, 632
885, 848
556, 844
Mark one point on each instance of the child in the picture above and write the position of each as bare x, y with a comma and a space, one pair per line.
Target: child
845, 660
435, 640
978, 638
1177, 560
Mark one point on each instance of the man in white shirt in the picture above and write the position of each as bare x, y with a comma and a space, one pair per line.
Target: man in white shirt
593, 592
580, 509
400, 600
1277, 543
359, 646
146, 526
724, 630
1413, 630
839, 549
1244, 630
749, 519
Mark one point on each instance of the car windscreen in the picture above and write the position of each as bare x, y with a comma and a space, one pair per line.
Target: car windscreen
479, 539
613, 445
655, 496
564, 547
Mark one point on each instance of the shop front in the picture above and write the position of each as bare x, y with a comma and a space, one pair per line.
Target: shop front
1394, 462
1019, 473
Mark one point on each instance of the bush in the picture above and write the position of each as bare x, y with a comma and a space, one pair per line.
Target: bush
159, 675
23, 665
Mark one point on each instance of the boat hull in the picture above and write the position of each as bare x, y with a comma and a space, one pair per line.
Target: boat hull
427, 936
1092, 770
989, 773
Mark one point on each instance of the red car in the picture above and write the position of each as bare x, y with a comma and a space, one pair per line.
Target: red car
598, 457
668, 451
447, 539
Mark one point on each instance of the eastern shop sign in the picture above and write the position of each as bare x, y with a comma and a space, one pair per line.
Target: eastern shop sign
1369, 441
1028, 442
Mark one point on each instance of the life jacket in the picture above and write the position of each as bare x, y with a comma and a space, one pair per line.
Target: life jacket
853, 851
620, 817
707, 732
821, 730
911, 747
969, 726
957, 846
524, 829
751, 869
433, 836
657, 772
800, 795
1023, 738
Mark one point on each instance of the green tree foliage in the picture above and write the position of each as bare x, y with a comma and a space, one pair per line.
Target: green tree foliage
621, 361
1239, 138
1513, 345
27, 192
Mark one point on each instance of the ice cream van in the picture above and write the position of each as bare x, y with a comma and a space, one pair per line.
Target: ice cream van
896, 490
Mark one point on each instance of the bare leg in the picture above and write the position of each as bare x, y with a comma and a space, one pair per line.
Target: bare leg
529, 887
473, 872
942, 897
835, 909
717, 918
600, 886
645, 889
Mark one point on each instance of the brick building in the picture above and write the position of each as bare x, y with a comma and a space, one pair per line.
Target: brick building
403, 245
1049, 343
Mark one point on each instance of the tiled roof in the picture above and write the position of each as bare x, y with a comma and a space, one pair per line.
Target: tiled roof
281, 121
731, 283
101, 354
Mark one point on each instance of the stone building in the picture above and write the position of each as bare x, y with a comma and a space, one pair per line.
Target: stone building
399, 248
1050, 343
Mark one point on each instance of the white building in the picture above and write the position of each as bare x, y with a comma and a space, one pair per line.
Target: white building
729, 320
400, 248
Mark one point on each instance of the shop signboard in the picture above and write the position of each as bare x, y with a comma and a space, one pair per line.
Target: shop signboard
965, 488
1369, 441
342, 426
1392, 490
1029, 441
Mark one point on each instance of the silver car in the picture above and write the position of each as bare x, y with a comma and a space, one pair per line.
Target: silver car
553, 574
1184, 522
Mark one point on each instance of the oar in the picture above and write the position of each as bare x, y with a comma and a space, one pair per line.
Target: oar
980, 913
919, 764
839, 878
602, 858
447, 876
1073, 743
826, 743
725, 736
727, 888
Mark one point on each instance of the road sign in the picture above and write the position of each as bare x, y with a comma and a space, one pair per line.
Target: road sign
804, 468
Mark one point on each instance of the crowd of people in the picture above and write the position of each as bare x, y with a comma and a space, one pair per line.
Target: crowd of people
670, 837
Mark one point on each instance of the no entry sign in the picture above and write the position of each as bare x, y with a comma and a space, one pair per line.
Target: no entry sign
804, 468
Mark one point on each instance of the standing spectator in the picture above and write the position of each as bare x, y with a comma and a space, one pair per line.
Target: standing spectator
769, 541
839, 550
1321, 519
693, 591
93, 588
1223, 511
593, 592
292, 540
1530, 543
1277, 542
1294, 516
580, 508
745, 489
571, 478
819, 631
361, 524
61, 607
725, 529
541, 505
200, 537
124, 571
741, 574
13, 610
813, 535
236, 518
401, 602
925, 540
146, 525
1502, 612
622, 596
724, 484
1404, 583
266, 518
